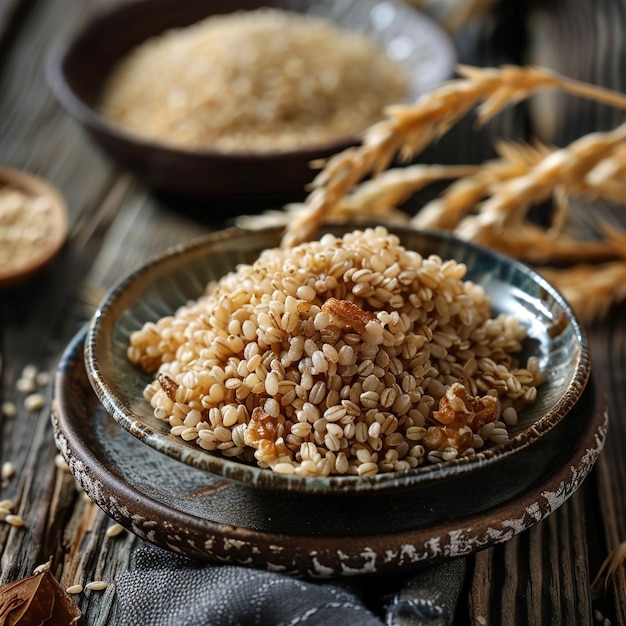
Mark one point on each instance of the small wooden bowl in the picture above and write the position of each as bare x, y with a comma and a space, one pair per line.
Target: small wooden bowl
36, 187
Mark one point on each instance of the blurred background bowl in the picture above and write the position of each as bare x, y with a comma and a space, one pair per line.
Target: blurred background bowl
57, 229
80, 64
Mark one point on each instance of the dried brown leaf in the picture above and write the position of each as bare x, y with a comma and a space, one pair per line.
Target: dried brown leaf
37, 601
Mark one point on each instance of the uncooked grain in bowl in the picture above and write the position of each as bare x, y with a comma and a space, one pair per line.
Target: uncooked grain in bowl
257, 81
346, 356
26, 223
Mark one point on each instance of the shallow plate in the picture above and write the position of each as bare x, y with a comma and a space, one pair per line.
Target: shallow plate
207, 518
79, 65
162, 285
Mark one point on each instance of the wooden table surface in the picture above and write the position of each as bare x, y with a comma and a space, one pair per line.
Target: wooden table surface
543, 575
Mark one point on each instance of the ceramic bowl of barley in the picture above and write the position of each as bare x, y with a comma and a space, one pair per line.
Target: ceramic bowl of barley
329, 413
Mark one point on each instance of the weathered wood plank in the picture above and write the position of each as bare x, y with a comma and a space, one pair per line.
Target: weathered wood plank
538, 577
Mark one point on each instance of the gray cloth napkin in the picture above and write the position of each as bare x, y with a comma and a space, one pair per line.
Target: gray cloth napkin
163, 589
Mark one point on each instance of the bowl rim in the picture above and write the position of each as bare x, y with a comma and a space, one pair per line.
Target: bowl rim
266, 478
57, 80
94, 475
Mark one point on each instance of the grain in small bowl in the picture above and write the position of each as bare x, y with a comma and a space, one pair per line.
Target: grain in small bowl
248, 111
352, 380
33, 225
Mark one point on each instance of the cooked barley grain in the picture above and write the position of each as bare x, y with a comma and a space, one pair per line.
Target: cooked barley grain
343, 384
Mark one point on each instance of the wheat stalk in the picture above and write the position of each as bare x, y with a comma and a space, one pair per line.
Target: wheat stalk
489, 205
446, 211
566, 168
611, 564
370, 199
590, 289
519, 83
391, 188
405, 132
531, 243
408, 129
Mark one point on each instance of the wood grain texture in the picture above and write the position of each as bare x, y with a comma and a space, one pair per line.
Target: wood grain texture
539, 577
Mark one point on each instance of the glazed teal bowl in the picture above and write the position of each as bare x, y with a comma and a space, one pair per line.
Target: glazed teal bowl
165, 283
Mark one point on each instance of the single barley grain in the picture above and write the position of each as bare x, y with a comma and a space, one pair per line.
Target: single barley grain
42, 379
34, 402
61, 464
9, 409
114, 530
8, 470
26, 385
97, 585
44, 567
14, 520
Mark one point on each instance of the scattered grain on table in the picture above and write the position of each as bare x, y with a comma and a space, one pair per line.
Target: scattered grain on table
26, 385
30, 380
42, 379
34, 402
14, 520
8, 470
9, 409
97, 585
114, 530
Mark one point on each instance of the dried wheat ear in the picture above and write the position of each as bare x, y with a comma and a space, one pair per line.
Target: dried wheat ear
489, 203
